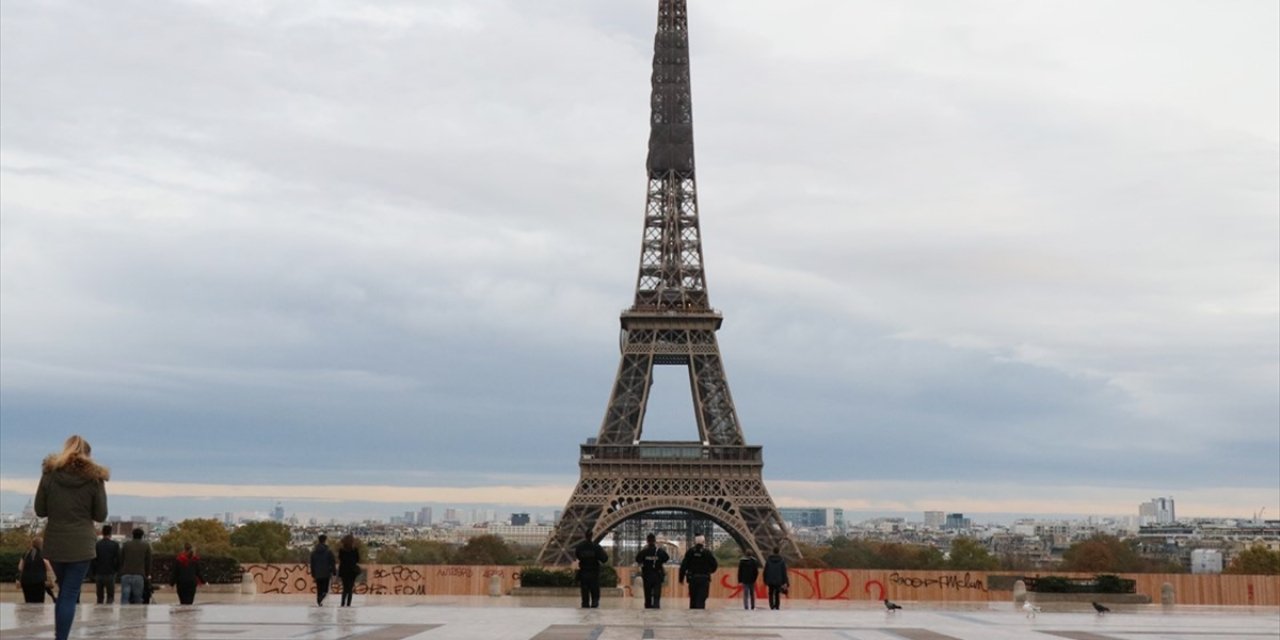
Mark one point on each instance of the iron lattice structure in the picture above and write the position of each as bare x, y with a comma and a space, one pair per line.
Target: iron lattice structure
719, 476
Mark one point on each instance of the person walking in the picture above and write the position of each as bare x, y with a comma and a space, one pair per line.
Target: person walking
187, 574
105, 566
135, 569
323, 565
35, 574
591, 557
697, 566
73, 495
775, 578
651, 560
748, 571
348, 567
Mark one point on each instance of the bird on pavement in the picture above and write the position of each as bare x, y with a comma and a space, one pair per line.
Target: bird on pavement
1100, 608
890, 605
1030, 609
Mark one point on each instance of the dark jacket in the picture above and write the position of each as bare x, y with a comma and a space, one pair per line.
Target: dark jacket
135, 558
748, 570
72, 498
33, 569
323, 564
349, 562
186, 570
590, 557
699, 561
107, 561
651, 560
775, 571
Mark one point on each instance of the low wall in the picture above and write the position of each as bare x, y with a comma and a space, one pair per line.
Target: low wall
811, 584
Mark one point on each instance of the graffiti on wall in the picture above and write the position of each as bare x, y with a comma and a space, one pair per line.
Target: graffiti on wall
391, 579
836, 584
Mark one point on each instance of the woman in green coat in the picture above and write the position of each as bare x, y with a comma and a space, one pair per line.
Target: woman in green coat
73, 496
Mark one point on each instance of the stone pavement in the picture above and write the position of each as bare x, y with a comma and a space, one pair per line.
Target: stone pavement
508, 618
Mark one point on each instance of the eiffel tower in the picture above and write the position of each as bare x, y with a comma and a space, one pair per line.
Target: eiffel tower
718, 477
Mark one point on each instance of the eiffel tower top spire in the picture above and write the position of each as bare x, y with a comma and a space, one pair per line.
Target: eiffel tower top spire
671, 276
671, 119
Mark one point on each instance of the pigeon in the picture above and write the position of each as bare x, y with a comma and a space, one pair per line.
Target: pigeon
1100, 608
890, 605
1030, 608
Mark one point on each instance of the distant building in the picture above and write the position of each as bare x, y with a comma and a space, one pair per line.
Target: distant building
1206, 561
424, 516
277, 514
956, 522
1158, 511
934, 519
519, 519
813, 518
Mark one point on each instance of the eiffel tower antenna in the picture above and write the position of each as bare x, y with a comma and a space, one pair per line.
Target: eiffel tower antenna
717, 477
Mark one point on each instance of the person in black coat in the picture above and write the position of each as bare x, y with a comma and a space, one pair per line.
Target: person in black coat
591, 557
105, 566
35, 574
748, 571
187, 574
775, 577
697, 566
348, 567
651, 560
323, 566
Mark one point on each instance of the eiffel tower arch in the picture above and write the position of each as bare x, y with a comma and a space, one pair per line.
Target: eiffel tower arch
671, 323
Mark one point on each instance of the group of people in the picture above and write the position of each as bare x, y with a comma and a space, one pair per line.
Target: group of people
324, 565
696, 567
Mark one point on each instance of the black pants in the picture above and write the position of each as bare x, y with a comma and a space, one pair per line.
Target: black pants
33, 593
652, 589
348, 588
699, 589
106, 587
590, 587
775, 596
187, 593
322, 589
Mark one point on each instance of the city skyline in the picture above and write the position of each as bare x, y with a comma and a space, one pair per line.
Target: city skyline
972, 257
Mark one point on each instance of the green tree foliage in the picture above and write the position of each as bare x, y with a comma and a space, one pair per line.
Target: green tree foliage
414, 551
16, 539
728, 553
1256, 560
811, 556
207, 535
968, 554
846, 553
270, 539
487, 549
1108, 554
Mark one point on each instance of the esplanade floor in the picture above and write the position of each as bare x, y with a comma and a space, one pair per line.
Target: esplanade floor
524, 618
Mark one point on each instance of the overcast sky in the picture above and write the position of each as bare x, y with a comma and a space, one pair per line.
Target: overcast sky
972, 256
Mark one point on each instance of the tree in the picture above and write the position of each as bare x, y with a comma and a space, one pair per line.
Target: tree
16, 539
486, 549
1102, 554
207, 535
270, 539
415, 551
1256, 560
728, 553
968, 554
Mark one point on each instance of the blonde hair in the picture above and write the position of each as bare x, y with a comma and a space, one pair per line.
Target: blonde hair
75, 448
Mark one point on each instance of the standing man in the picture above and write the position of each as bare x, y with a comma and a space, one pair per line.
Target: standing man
697, 566
105, 566
323, 565
591, 557
135, 569
651, 558
748, 571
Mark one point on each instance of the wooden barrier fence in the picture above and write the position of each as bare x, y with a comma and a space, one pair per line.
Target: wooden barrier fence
809, 584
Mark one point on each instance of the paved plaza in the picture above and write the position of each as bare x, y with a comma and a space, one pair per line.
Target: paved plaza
508, 618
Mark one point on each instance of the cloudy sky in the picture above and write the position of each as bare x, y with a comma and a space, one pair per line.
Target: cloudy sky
973, 256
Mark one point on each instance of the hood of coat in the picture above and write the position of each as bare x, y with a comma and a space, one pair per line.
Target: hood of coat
76, 473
